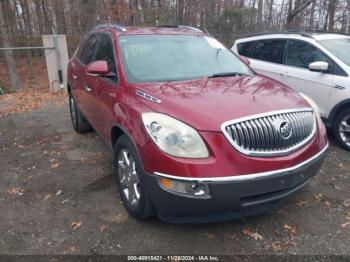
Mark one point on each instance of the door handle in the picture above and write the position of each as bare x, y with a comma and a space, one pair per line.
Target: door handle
88, 89
75, 77
285, 74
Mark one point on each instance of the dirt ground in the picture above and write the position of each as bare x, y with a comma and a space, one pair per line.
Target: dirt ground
58, 196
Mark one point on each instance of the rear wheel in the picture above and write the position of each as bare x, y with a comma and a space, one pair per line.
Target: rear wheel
341, 129
80, 124
130, 179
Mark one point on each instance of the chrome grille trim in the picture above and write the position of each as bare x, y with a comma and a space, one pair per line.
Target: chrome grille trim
256, 135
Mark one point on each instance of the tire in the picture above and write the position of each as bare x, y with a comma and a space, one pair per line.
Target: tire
80, 124
341, 129
130, 179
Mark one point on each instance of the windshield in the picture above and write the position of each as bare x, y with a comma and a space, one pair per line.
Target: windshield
339, 47
160, 58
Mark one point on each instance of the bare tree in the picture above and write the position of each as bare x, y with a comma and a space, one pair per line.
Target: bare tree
293, 12
259, 17
10, 63
331, 13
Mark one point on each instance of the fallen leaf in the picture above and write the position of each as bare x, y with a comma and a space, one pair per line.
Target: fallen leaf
276, 247
210, 235
345, 224
55, 165
318, 196
46, 197
346, 202
103, 228
337, 187
301, 203
291, 229
252, 234
16, 191
77, 224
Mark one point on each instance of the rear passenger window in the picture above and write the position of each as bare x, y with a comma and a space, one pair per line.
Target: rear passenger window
269, 50
87, 51
245, 49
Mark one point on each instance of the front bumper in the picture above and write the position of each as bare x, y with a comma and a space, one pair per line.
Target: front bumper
232, 197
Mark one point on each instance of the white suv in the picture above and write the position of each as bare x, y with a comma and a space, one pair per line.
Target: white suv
316, 64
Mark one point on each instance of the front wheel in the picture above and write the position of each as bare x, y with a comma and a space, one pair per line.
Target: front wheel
129, 175
341, 129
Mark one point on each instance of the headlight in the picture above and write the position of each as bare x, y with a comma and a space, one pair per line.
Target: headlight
174, 137
313, 105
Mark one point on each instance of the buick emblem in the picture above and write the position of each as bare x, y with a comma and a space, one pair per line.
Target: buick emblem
284, 128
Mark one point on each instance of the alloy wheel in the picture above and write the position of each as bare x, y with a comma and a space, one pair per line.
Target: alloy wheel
344, 130
128, 177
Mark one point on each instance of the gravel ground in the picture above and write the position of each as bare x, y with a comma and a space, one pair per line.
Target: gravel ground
58, 196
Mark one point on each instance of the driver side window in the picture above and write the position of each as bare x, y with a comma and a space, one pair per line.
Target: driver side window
105, 51
301, 54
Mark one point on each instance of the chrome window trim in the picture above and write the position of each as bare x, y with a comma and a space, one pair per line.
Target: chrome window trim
248, 176
269, 153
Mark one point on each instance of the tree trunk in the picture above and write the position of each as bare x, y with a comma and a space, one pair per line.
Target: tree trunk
269, 20
312, 15
331, 13
259, 17
10, 62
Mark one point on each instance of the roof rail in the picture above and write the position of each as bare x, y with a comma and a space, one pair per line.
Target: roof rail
190, 27
303, 33
111, 25
182, 27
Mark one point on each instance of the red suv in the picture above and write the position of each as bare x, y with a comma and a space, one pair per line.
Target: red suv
197, 135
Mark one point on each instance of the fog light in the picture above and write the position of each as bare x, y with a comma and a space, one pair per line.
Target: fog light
189, 189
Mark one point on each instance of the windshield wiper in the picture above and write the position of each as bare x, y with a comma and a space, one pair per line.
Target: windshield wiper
226, 74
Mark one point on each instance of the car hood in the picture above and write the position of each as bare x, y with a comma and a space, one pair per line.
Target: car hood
206, 103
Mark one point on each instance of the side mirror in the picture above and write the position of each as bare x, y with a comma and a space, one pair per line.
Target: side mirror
245, 60
319, 66
97, 68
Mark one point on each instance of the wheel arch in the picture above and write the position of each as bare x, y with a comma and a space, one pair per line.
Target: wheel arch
118, 131
336, 110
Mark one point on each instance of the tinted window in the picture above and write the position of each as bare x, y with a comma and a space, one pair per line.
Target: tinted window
105, 52
245, 49
301, 54
269, 50
86, 53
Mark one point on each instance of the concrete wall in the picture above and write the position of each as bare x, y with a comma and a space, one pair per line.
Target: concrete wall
56, 58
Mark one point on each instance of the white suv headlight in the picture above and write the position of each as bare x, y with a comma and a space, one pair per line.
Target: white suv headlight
313, 105
174, 137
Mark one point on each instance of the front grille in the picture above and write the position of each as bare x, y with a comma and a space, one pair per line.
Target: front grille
271, 134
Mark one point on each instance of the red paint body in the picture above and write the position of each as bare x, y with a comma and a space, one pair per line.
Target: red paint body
203, 104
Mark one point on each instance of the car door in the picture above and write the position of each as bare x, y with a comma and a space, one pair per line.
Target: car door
103, 88
296, 74
266, 56
82, 94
